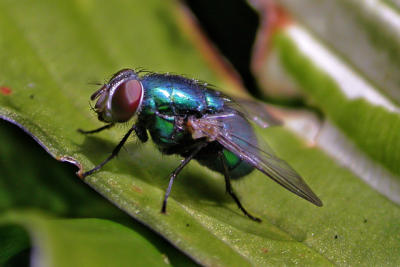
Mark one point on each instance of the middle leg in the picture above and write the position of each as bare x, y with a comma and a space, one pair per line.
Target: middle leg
178, 170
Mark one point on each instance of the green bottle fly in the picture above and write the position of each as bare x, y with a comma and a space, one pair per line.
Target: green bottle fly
188, 118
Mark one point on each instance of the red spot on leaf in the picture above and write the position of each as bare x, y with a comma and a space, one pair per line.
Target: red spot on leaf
264, 250
5, 90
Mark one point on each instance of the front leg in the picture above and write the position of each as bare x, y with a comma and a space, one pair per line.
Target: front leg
113, 154
108, 126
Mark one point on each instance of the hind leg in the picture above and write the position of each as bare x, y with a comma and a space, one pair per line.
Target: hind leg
230, 190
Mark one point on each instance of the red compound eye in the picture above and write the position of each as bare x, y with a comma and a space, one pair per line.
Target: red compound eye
126, 100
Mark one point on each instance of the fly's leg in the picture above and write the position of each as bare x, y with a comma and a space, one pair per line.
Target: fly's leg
108, 126
141, 132
177, 171
113, 154
230, 190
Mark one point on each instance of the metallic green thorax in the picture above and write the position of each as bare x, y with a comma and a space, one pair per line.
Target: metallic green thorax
174, 96
167, 97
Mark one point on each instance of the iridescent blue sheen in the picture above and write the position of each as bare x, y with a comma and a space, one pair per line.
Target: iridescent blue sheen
177, 95
173, 96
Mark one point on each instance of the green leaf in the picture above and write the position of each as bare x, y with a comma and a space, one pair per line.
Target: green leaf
53, 49
34, 186
82, 242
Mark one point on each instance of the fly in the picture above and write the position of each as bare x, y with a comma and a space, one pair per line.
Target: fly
188, 118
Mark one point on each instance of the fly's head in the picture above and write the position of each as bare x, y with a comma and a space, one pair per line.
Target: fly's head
120, 98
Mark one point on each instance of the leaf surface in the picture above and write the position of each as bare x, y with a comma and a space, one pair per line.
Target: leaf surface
53, 50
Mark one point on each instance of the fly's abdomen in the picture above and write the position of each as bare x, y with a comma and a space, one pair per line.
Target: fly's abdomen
237, 167
243, 134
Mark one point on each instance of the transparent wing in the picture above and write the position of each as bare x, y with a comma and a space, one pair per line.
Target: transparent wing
260, 156
255, 111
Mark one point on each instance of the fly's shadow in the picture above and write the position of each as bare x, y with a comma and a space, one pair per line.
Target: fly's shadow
144, 162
